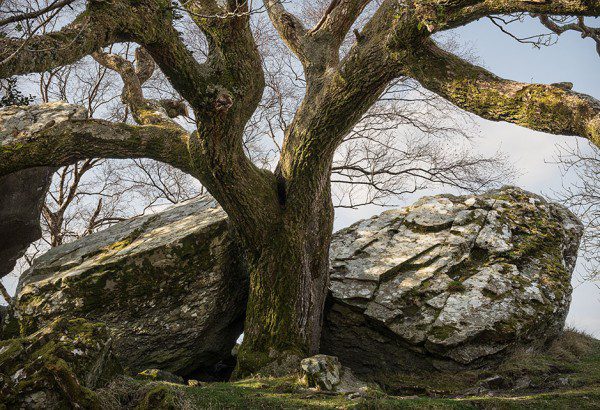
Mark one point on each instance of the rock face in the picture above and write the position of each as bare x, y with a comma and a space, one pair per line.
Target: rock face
450, 282
57, 366
22, 195
167, 286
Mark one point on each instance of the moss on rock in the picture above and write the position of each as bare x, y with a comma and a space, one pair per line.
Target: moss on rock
58, 366
168, 286
453, 281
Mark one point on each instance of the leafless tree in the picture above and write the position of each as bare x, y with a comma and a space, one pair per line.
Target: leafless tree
343, 63
582, 164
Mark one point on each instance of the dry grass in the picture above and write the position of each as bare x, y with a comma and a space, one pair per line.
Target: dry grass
127, 393
572, 345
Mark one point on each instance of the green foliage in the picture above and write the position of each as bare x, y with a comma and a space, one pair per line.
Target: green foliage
12, 96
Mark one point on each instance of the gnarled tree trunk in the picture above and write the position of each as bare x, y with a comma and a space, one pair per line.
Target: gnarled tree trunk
289, 273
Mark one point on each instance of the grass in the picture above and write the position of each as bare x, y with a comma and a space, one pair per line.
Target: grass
262, 395
573, 356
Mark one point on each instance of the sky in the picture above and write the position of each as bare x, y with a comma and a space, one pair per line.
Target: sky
571, 59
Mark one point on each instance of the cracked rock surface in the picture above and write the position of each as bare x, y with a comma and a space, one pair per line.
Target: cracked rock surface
450, 281
168, 287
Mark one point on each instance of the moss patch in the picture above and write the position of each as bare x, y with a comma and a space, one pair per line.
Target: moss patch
56, 366
573, 355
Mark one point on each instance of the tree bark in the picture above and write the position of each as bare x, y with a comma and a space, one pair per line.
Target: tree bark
289, 273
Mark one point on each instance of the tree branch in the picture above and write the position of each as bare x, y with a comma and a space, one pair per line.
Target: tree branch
317, 48
145, 111
41, 53
56, 4
58, 134
549, 108
580, 26
289, 27
5, 294
439, 15
339, 17
349, 90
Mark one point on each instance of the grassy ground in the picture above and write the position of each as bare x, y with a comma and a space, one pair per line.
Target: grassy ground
263, 395
565, 376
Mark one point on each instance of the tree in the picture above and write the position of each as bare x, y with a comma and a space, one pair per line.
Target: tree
583, 163
283, 217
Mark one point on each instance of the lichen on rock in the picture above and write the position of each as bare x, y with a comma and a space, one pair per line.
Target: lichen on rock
57, 366
168, 287
450, 281
321, 371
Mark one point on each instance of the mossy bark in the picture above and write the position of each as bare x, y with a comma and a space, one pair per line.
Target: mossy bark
289, 272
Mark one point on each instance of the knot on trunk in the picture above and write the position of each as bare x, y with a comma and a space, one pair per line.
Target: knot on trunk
223, 102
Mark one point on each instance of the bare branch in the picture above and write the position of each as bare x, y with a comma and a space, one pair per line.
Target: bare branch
54, 5
439, 15
41, 53
579, 26
583, 197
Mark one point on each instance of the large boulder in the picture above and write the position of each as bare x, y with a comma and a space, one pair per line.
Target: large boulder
450, 282
168, 287
57, 367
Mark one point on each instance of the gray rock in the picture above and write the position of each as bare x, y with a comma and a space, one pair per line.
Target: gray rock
22, 195
496, 382
168, 286
326, 373
450, 282
321, 371
522, 383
